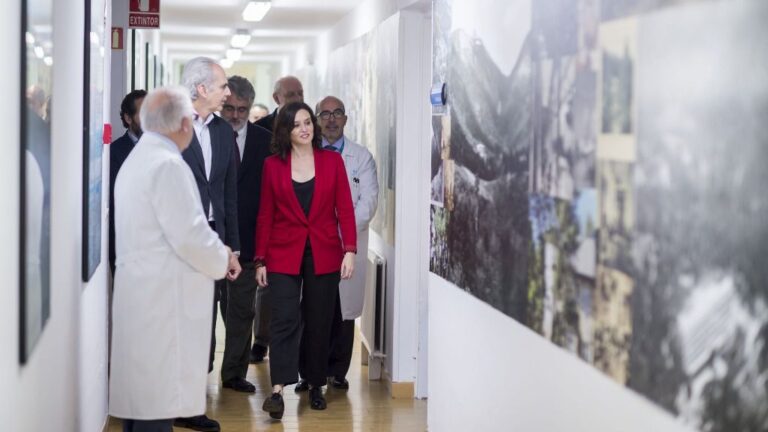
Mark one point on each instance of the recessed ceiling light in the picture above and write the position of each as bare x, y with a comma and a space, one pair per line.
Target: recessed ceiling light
234, 54
256, 10
241, 38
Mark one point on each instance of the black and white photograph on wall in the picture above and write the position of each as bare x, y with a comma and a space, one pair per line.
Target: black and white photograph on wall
436, 162
486, 181
93, 135
35, 172
701, 236
632, 197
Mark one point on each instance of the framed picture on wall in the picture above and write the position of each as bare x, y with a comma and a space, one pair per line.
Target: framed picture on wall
35, 172
93, 133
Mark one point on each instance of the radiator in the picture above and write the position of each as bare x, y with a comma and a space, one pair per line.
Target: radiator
374, 317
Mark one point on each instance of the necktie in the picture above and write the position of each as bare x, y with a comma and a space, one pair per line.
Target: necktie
238, 160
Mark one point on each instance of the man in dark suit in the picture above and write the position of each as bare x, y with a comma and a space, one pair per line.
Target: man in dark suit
287, 89
212, 156
118, 151
253, 146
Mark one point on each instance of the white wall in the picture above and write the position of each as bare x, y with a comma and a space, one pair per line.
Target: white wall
94, 304
54, 390
10, 373
490, 373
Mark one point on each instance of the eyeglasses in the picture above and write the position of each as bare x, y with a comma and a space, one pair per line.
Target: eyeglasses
337, 113
230, 109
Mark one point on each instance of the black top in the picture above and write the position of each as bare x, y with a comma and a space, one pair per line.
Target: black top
304, 193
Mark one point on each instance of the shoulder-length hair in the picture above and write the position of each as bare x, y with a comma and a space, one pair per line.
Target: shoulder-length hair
284, 124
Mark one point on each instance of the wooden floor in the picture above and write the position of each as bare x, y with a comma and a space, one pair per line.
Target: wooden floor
366, 406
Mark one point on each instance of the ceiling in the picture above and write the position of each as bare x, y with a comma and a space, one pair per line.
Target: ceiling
204, 27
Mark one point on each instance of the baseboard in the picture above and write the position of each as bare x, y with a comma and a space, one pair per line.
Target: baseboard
399, 390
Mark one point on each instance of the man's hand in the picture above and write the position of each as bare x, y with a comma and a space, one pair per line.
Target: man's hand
233, 267
347, 265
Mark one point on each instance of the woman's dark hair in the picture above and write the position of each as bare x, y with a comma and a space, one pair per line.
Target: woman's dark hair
281, 135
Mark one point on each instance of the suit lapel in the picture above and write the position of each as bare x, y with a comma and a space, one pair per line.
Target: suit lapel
197, 152
216, 148
319, 175
294, 201
247, 150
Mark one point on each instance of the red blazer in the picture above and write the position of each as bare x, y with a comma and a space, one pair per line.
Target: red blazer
282, 228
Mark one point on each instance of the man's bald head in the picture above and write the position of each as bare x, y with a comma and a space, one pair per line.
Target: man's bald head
288, 89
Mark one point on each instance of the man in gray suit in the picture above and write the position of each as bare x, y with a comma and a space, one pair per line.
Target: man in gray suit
213, 158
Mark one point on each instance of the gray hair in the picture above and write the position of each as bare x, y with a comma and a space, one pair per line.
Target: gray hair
241, 88
164, 109
197, 71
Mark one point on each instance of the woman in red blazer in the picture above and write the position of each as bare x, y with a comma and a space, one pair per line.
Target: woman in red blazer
305, 202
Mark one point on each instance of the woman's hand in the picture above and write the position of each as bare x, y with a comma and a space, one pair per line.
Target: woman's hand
261, 276
348, 265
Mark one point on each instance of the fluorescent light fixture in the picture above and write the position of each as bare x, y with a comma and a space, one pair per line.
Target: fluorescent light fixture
48, 60
234, 54
30, 38
94, 38
226, 63
255, 10
241, 38
39, 51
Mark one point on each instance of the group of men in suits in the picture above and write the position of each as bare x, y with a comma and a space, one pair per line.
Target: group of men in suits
226, 156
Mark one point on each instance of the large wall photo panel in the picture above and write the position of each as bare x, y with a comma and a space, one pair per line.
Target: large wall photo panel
599, 175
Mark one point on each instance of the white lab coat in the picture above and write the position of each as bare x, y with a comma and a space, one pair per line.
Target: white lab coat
167, 260
364, 184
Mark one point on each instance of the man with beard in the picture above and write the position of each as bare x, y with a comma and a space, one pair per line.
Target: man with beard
118, 151
253, 146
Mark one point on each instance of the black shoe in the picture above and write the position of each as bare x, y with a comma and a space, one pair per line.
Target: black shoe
316, 399
239, 384
198, 423
274, 405
302, 386
341, 384
257, 353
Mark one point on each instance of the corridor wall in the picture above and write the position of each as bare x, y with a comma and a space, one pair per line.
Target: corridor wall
62, 386
598, 200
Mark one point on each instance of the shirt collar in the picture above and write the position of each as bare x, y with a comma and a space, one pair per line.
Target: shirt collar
132, 136
338, 145
205, 122
243, 130
162, 139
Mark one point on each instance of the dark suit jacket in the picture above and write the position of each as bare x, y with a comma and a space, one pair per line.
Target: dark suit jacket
282, 227
220, 191
118, 152
257, 148
268, 122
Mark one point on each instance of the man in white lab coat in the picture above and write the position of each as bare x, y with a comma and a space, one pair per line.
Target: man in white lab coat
167, 258
364, 184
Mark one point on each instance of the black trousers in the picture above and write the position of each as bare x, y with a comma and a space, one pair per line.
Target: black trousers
220, 298
241, 296
304, 297
341, 344
147, 425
